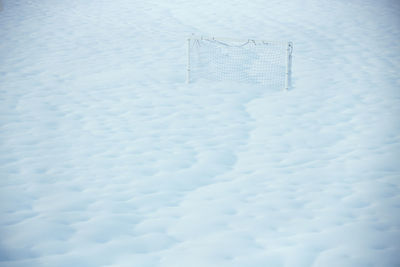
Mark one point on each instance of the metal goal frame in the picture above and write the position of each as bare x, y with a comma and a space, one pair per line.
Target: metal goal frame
289, 50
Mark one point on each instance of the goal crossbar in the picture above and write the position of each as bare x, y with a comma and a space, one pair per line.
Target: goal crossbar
227, 39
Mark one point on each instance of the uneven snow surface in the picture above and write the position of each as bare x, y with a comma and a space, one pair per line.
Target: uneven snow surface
107, 157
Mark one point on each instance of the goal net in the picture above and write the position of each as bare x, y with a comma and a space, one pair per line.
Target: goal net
245, 61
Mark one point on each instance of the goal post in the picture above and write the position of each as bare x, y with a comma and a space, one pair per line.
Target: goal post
288, 72
246, 61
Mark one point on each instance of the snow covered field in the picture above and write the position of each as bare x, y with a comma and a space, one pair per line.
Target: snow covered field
107, 157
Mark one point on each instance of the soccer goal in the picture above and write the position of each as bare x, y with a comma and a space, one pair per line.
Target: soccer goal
247, 61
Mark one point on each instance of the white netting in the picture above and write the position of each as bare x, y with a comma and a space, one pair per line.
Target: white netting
248, 62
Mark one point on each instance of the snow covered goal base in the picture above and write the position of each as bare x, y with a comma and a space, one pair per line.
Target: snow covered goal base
247, 61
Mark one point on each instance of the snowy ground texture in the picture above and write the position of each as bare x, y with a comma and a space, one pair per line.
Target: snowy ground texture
107, 157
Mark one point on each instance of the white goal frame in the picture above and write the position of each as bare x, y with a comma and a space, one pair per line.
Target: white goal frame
289, 50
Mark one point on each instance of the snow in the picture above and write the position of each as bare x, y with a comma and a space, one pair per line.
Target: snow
107, 157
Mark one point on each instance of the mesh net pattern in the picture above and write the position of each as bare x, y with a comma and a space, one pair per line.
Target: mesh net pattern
246, 62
